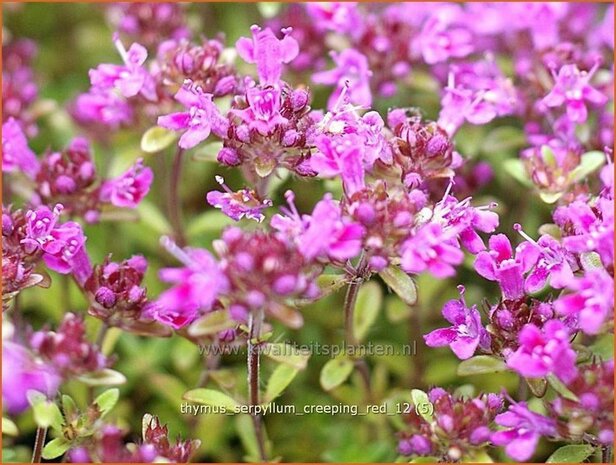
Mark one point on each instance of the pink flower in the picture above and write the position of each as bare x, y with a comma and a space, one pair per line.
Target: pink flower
268, 52
236, 205
21, 372
197, 287
499, 264
61, 244
324, 233
572, 88
263, 112
128, 189
466, 332
341, 156
543, 351
201, 117
351, 73
524, 430
340, 17
592, 300
131, 78
432, 249
16, 155
102, 107
440, 39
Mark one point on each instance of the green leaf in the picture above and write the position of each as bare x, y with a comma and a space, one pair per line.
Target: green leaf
287, 354
604, 347
156, 139
46, 412
422, 404
208, 152
335, 372
590, 261
559, 387
329, 283
212, 221
69, 407
9, 428
279, 380
481, 364
268, 9
425, 460
151, 216
104, 377
401, 283
396, 310
515, 167
246, 432
589, 163
211, 397
573, 453
107, 400
367, 307
477, 456
211, 323
550, 197
55, 448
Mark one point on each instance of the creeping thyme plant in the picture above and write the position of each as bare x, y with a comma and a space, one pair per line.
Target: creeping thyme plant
308, 232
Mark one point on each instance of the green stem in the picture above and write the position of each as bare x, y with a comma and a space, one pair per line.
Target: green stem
256, 320
175, 203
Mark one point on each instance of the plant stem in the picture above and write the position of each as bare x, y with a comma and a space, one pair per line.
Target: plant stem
606, 454
102, 332
255, 322
175, 203
350, 299
41, 434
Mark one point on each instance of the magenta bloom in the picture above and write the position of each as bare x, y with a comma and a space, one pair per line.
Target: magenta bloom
324, 233
102, 107
552, 263
351, 72
432, 249
61, 244
340, 17
572, 88
197, 286
499, 264
128, 189
16, 155
466, 332
20, 373
524, 430
240, 204
131, 78
340, 156
543, 351
440, 40
201, 117
263, 112
592, 300
268, 52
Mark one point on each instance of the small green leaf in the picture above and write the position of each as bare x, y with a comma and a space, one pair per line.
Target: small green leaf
211, 323
548, 156
604, 347
268, 9
9, 428
396, 310
401, 283
481, 364
335, 372
538, 386
573, 453
207, 152
559, 387
589, 163
264, 167
55, 448
46, 412
156, 139
550, 197
515, 167
367, 307
590, 261
329, 283
211, 397
104, 377
107, 400
422, 404
279, 380
425, 460
550, 229
287, 354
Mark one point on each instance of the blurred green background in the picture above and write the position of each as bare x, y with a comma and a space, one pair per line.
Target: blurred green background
72, 38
